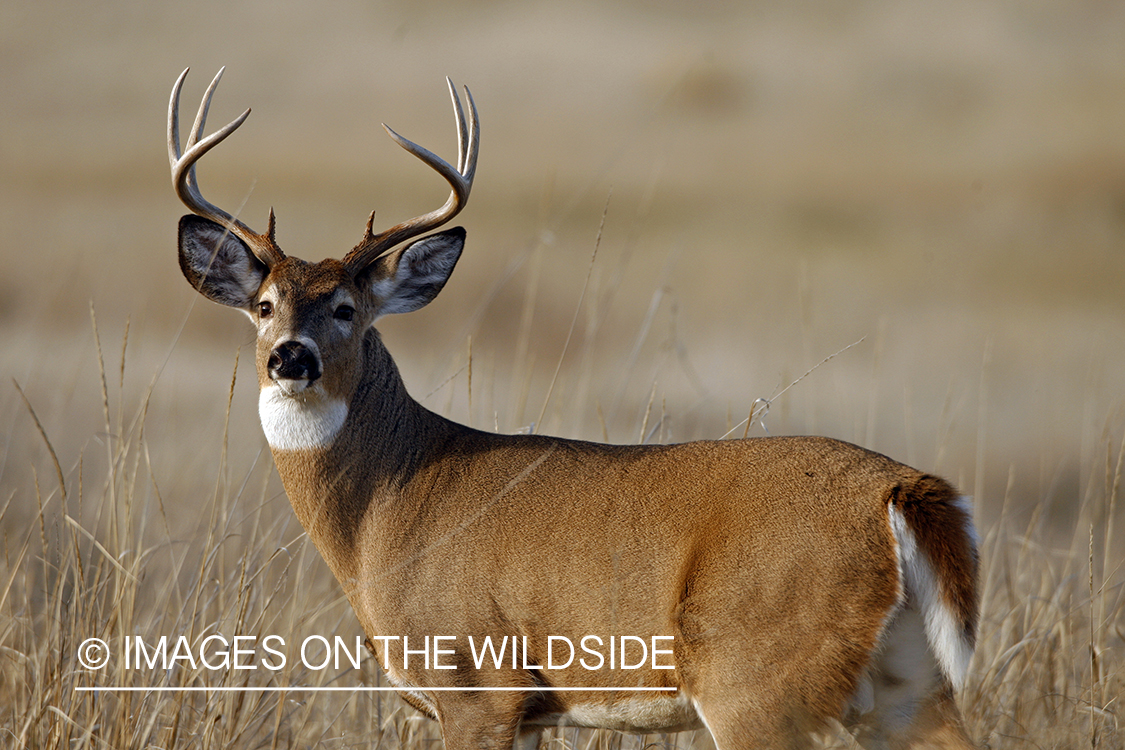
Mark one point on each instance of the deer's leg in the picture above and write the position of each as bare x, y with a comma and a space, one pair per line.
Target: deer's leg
745, 705
748, 724
527, 739
481, 721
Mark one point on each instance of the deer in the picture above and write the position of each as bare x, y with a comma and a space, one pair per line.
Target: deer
784, 586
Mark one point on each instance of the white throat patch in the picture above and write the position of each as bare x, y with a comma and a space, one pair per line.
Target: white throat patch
293, 423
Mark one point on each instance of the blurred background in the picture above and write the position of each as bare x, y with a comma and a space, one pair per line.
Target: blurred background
779, 180
932, 192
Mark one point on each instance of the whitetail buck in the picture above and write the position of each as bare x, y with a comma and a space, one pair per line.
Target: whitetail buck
777, 583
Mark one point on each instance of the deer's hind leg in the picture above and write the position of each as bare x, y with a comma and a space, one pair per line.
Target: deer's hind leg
755, 704
738, 724
482, 721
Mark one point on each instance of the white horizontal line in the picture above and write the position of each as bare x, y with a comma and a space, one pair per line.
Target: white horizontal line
362, 689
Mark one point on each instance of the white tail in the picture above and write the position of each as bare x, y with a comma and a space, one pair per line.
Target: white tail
511, 582
943, 606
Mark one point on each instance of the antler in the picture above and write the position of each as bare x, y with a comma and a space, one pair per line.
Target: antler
460, 179
186, 184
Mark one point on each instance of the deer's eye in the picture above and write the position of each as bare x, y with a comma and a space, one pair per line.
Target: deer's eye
344, 312
265, 309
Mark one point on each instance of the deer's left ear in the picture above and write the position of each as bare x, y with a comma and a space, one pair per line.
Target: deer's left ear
409, 278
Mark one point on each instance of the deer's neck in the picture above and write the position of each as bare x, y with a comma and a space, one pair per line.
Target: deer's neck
385, 438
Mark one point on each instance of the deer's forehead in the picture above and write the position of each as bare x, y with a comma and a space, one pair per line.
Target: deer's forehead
302, 282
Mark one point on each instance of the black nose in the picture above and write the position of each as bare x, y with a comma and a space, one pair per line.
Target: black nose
293, 360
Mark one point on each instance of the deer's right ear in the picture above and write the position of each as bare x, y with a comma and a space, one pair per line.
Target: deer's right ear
218, 264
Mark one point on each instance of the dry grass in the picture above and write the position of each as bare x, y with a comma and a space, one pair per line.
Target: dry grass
946, 183
102, 555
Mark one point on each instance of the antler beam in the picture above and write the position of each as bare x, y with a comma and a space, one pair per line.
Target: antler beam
187, 185
460, 180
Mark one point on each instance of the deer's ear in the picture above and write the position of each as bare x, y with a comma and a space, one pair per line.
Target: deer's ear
409, 278
218, 264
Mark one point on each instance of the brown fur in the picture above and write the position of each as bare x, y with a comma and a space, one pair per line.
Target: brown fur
771, 562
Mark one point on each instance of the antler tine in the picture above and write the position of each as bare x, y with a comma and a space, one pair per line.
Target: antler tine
186, 183
468, 164
459, 115
459, 179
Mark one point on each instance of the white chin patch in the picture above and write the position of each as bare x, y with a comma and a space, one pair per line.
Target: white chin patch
294, 420
290, 386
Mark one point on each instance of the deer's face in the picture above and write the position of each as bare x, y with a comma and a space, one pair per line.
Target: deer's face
311, 318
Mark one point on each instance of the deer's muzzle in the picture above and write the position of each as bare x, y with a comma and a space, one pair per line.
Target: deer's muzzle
292, 360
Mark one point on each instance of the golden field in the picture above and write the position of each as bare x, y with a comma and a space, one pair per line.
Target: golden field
939, 187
